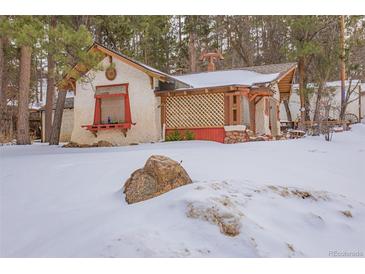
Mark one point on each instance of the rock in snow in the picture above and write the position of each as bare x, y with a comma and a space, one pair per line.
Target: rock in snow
159, 175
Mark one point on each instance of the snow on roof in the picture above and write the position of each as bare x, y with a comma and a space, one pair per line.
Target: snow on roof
225, 78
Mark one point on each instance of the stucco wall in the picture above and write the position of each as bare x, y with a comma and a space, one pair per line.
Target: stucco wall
262, 120
274, 108
144, 105
66, 126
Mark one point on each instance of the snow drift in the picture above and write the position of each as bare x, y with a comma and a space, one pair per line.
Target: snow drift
296, 198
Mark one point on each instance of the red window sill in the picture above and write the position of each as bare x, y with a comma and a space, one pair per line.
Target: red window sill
107, 126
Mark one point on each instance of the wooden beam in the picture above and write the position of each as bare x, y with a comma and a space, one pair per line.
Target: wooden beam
152, 82
226, 110
239, 110
190, 91
230, 106
163, 111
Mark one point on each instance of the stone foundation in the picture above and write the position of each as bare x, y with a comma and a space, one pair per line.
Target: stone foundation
236, 136
240, 134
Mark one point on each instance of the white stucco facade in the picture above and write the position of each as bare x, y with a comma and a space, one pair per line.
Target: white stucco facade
262, 117
66, 125
144, 107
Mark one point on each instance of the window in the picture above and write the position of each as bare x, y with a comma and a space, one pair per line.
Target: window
234, 116
112, 110
112, 105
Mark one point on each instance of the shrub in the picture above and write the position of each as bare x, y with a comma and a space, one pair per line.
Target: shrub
189, 135
174, 136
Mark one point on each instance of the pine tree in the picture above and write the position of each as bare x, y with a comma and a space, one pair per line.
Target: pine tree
72, 43
25, 32
304, 31
51, 66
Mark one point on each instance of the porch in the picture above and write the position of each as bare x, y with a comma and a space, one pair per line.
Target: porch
224, 114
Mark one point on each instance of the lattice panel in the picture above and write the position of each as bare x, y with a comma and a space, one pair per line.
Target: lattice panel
201, 110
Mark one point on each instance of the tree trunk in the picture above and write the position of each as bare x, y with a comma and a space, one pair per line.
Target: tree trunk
342, 65
2, 69
318, 101
192, 51
287, 110
2, 72
3, 106
57, 119
301, 71
50, 88
23, 137
41, 81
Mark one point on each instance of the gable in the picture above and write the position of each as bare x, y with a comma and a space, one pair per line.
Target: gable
69, 80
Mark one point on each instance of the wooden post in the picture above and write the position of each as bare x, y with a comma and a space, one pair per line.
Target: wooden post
227, 113
163, 111
230, 106
252, 108
239, 110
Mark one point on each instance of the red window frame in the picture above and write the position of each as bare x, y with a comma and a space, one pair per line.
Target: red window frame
127, 110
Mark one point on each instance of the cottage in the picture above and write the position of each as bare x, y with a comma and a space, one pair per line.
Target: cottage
130, 102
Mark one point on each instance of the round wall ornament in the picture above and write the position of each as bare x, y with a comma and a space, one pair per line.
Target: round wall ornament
110, 73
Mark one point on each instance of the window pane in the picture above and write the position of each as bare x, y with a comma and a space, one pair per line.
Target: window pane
235, 115
111, 90
112, 110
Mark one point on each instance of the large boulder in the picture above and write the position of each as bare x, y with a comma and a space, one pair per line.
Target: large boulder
159, 175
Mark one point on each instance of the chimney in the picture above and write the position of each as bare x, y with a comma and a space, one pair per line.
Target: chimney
211, 57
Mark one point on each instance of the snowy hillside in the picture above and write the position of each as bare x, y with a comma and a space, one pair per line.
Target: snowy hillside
296, 198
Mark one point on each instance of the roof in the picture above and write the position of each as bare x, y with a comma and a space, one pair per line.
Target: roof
272, 68
248, 76
139, 64
226, 78
69, 104
68, 81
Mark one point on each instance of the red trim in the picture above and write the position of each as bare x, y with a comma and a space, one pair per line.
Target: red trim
107, 126
216, 134
97, 112
127, 110
109, 95
113, 85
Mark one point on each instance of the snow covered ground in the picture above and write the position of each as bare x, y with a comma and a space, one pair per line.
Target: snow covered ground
58, 202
